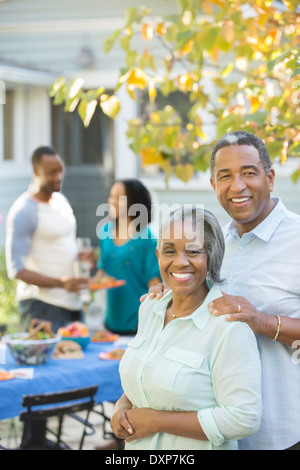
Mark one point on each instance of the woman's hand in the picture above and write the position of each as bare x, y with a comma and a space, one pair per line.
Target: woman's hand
119, 423
142, 422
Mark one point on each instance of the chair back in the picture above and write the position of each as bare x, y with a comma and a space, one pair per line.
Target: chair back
67, 402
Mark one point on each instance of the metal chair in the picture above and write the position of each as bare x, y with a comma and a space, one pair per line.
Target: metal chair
108, 434
66, 403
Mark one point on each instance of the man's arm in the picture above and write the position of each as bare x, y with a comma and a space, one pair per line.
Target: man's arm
156, 290
70, 284
266, 324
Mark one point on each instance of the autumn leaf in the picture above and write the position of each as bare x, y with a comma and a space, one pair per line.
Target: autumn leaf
150, 156
147, 31
110, 105
160, 28
283, 156
152, 91
184, 171
228, 31
137, 78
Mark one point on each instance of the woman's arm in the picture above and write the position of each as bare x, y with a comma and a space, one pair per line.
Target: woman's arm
147, 421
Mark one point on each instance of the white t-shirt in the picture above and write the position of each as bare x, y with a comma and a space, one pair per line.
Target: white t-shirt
42, 237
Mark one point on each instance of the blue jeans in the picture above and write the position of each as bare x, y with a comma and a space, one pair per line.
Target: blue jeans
58, 316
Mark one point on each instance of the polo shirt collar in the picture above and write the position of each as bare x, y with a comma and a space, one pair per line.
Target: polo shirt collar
266, 228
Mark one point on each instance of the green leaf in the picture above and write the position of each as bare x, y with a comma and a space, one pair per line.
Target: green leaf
110, 41
86, 111
125, 42
210, 37
274, 148
294, 149
70, 104
131, 15
56, 86
183, 38
297, 72
280, 58
295, 176
227, 70
74, 87
260, 117
131, 58
228, 124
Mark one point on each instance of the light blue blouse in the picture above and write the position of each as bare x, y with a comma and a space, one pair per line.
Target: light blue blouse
196, 363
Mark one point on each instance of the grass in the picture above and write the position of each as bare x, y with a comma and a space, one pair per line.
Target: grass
9, 313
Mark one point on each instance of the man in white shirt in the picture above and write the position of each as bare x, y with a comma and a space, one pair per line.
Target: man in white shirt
261, 268
262, 271
41, 246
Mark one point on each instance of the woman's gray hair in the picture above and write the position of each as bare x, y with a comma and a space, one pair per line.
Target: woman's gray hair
203, 221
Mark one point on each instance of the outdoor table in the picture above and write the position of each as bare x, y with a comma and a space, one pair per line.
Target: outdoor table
60, 375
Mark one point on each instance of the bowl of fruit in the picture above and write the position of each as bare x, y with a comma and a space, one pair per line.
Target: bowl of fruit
77, 332
33, 347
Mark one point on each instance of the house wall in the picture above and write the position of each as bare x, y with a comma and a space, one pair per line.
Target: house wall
50, 34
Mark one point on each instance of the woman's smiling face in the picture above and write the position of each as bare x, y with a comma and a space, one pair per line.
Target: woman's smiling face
182, 258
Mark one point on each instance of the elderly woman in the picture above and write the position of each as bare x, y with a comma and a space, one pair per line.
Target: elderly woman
191, 380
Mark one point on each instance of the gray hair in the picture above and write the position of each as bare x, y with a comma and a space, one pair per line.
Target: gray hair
203, 221
242, 138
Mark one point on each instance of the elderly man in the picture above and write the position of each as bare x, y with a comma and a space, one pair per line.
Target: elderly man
261, 268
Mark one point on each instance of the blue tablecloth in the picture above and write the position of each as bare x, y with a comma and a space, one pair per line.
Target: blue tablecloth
62, 374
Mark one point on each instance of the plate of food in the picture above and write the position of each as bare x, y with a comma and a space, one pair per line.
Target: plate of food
114, 354
68, 349
109, 284
102, 280
104, 336
6, 375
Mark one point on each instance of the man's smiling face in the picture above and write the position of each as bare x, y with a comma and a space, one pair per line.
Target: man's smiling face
242, 186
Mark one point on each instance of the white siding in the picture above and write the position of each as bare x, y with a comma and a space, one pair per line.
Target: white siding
50, 34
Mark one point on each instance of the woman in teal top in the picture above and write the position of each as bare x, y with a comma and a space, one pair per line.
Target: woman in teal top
191, 380
127, 251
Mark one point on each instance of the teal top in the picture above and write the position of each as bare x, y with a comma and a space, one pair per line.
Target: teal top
197, 363
136, 263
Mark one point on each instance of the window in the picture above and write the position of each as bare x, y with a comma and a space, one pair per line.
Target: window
8, 126
80, 145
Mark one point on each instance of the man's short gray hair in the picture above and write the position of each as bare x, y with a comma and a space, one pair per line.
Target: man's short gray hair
202, 220
242, 138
